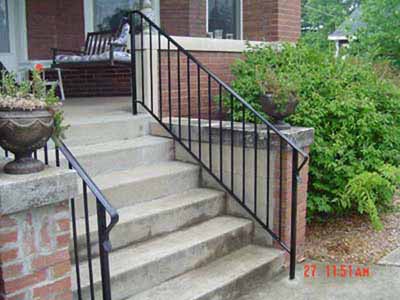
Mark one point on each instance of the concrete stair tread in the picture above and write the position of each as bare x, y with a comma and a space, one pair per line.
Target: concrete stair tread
106, 118
160, 216
141, 173
139, 255
138, 142
210, 278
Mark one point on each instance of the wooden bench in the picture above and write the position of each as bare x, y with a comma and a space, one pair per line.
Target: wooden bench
105, 48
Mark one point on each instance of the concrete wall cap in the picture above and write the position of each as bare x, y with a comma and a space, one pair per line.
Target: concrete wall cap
23, 192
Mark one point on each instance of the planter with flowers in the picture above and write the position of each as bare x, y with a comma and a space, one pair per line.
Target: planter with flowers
29, 115
278, 97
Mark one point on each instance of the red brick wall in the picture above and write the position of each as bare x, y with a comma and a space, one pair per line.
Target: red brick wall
54, 23
34, 255
95, 82
271, 20
217, 62
183, 17
174, 16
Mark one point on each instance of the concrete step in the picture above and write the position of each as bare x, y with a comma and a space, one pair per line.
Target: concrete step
142, 266
147, 220
141, 184
224, 278
105, 128
112, 156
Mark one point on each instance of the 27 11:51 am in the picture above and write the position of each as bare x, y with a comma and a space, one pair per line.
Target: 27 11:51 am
336, 271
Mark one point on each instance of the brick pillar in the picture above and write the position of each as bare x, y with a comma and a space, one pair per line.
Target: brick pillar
272, 20
284, 225
183, 17
35, 235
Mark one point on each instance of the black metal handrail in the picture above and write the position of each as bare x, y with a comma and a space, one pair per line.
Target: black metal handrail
103, 207
147, 27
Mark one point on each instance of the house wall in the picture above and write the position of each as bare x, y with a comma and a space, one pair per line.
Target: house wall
54, 23
263, 20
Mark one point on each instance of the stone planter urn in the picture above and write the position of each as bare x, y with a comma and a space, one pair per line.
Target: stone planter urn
278, 111
23, 132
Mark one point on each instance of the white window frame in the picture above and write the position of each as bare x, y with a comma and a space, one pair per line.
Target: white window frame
89, 14
240, 15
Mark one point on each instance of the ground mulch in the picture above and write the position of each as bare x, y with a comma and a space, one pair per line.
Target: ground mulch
351, 239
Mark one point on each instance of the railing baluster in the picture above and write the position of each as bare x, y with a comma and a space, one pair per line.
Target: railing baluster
46, 154
88, 243
169, 86
179, 94
133, 65
199, 108
255, 165
268, 173
221, 173
189, 105
142, 56
151, 67
160, 76
244, 154
209, 124
57, 151
76, 254
104, 248
232, 142
280, 187
293, 226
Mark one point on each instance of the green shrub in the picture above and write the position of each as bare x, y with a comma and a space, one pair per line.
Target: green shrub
355, 113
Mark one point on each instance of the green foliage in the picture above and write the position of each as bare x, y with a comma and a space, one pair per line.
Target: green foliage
380, 38
372, 192
354, 110
322, 17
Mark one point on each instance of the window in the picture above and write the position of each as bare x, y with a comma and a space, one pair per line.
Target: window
4, 28
224, 18
108, 14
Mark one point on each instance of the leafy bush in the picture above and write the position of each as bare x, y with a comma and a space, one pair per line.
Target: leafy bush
355, 113
380, 38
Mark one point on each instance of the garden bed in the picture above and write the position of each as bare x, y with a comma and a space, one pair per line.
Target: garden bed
351, 239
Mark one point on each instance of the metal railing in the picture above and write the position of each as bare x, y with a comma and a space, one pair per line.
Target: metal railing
191, 94
103, 208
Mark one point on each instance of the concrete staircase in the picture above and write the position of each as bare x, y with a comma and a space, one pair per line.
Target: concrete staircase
173, 239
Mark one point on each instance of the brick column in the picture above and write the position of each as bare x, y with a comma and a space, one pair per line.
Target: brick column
272, 20
284, 225
35, 235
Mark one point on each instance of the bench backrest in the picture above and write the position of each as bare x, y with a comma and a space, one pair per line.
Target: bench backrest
99, 42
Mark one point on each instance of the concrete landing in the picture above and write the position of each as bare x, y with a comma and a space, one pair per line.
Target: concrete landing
392, 259
382, 284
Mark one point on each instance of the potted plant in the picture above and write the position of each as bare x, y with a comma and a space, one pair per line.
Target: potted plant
29, 115
278, 97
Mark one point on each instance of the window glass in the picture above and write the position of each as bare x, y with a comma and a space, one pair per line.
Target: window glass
224, 18
4, 28
108, 14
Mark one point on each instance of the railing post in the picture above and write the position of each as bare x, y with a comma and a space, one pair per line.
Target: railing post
104, 248
133, 64
293, 237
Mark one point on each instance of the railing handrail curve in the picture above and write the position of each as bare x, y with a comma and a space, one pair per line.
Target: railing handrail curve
98, 194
